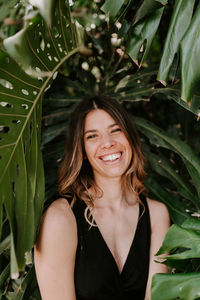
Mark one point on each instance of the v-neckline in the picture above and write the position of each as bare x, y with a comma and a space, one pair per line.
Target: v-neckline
131, 245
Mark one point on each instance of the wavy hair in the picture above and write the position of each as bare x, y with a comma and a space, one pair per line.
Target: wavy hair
75, 176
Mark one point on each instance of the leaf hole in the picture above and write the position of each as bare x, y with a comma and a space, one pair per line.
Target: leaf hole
35, 93
13, 187
56, 59
6, 104
25, 92
25, 106
42, 44
49, 57
16, 121
40, 78
48, 45
31, 128
17, 170
55, 75
4, 129
6, 84
37, 69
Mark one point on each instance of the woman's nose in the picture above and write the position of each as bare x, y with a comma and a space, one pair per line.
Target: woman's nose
107, 141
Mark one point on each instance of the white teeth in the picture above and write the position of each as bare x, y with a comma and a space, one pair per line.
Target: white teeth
111, 157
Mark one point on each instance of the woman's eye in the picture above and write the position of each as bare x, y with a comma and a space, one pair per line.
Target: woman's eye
116, 130
92, 136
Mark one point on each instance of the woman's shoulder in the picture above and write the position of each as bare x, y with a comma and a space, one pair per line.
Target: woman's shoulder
156, 205
158, 211
57, 218
59, 212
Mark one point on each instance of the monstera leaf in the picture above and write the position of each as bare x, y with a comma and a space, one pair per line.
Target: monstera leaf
39, 51
184, 240
179, 286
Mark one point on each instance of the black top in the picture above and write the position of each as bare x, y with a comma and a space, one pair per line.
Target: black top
96, 273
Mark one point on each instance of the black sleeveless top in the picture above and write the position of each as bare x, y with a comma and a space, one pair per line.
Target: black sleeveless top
96, 273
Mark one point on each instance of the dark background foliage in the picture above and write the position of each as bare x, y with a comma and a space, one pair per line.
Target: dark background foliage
168, 126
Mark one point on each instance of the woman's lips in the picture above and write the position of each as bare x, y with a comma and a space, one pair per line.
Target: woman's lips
111, 157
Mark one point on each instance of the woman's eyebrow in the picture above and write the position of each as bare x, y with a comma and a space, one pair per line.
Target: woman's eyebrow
91, 130
95, 130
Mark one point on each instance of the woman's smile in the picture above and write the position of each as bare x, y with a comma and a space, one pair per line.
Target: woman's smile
111, 157
106, 146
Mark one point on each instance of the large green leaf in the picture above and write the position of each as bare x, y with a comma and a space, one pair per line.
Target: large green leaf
112, 7
176, 286
161, 138
144, 31
180, 20
186, 239
192, 223
194, 107
39, 50
147, 7
190, 63
165, 168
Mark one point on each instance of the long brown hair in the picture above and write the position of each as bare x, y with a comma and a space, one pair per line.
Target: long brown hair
75, 176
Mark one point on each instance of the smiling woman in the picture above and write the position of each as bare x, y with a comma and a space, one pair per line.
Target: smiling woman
106, 146
99, 240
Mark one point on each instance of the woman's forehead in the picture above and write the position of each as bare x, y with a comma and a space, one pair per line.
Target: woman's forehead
98, 118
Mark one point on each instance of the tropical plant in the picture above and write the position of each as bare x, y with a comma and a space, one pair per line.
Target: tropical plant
49, 46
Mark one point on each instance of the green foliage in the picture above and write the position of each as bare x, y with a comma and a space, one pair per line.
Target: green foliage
183, 242
22, 178
50, 45
179, 23
179, 286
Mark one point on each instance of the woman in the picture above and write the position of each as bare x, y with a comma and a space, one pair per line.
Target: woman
100, 244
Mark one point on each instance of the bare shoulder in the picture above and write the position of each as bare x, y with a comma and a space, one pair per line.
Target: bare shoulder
157, 206
59, 213
58, 219
158, 212
59, 210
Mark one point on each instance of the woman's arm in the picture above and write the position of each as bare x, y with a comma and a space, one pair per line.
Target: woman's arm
55, 252
160, 222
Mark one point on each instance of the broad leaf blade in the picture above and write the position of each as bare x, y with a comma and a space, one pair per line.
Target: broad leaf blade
190, 63
41, 50
144, 31
186, 239
179, 286
147, 7
182, 14
112, 7
161, 138
164, 167
192, 223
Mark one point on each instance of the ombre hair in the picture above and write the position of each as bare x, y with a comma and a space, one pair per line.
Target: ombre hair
75, 176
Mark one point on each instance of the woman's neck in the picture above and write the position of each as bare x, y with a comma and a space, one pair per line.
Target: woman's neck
112, 192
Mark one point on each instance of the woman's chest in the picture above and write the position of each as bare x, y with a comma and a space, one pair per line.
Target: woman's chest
118, 232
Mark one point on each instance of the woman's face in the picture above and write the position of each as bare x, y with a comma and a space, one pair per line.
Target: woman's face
106, 146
